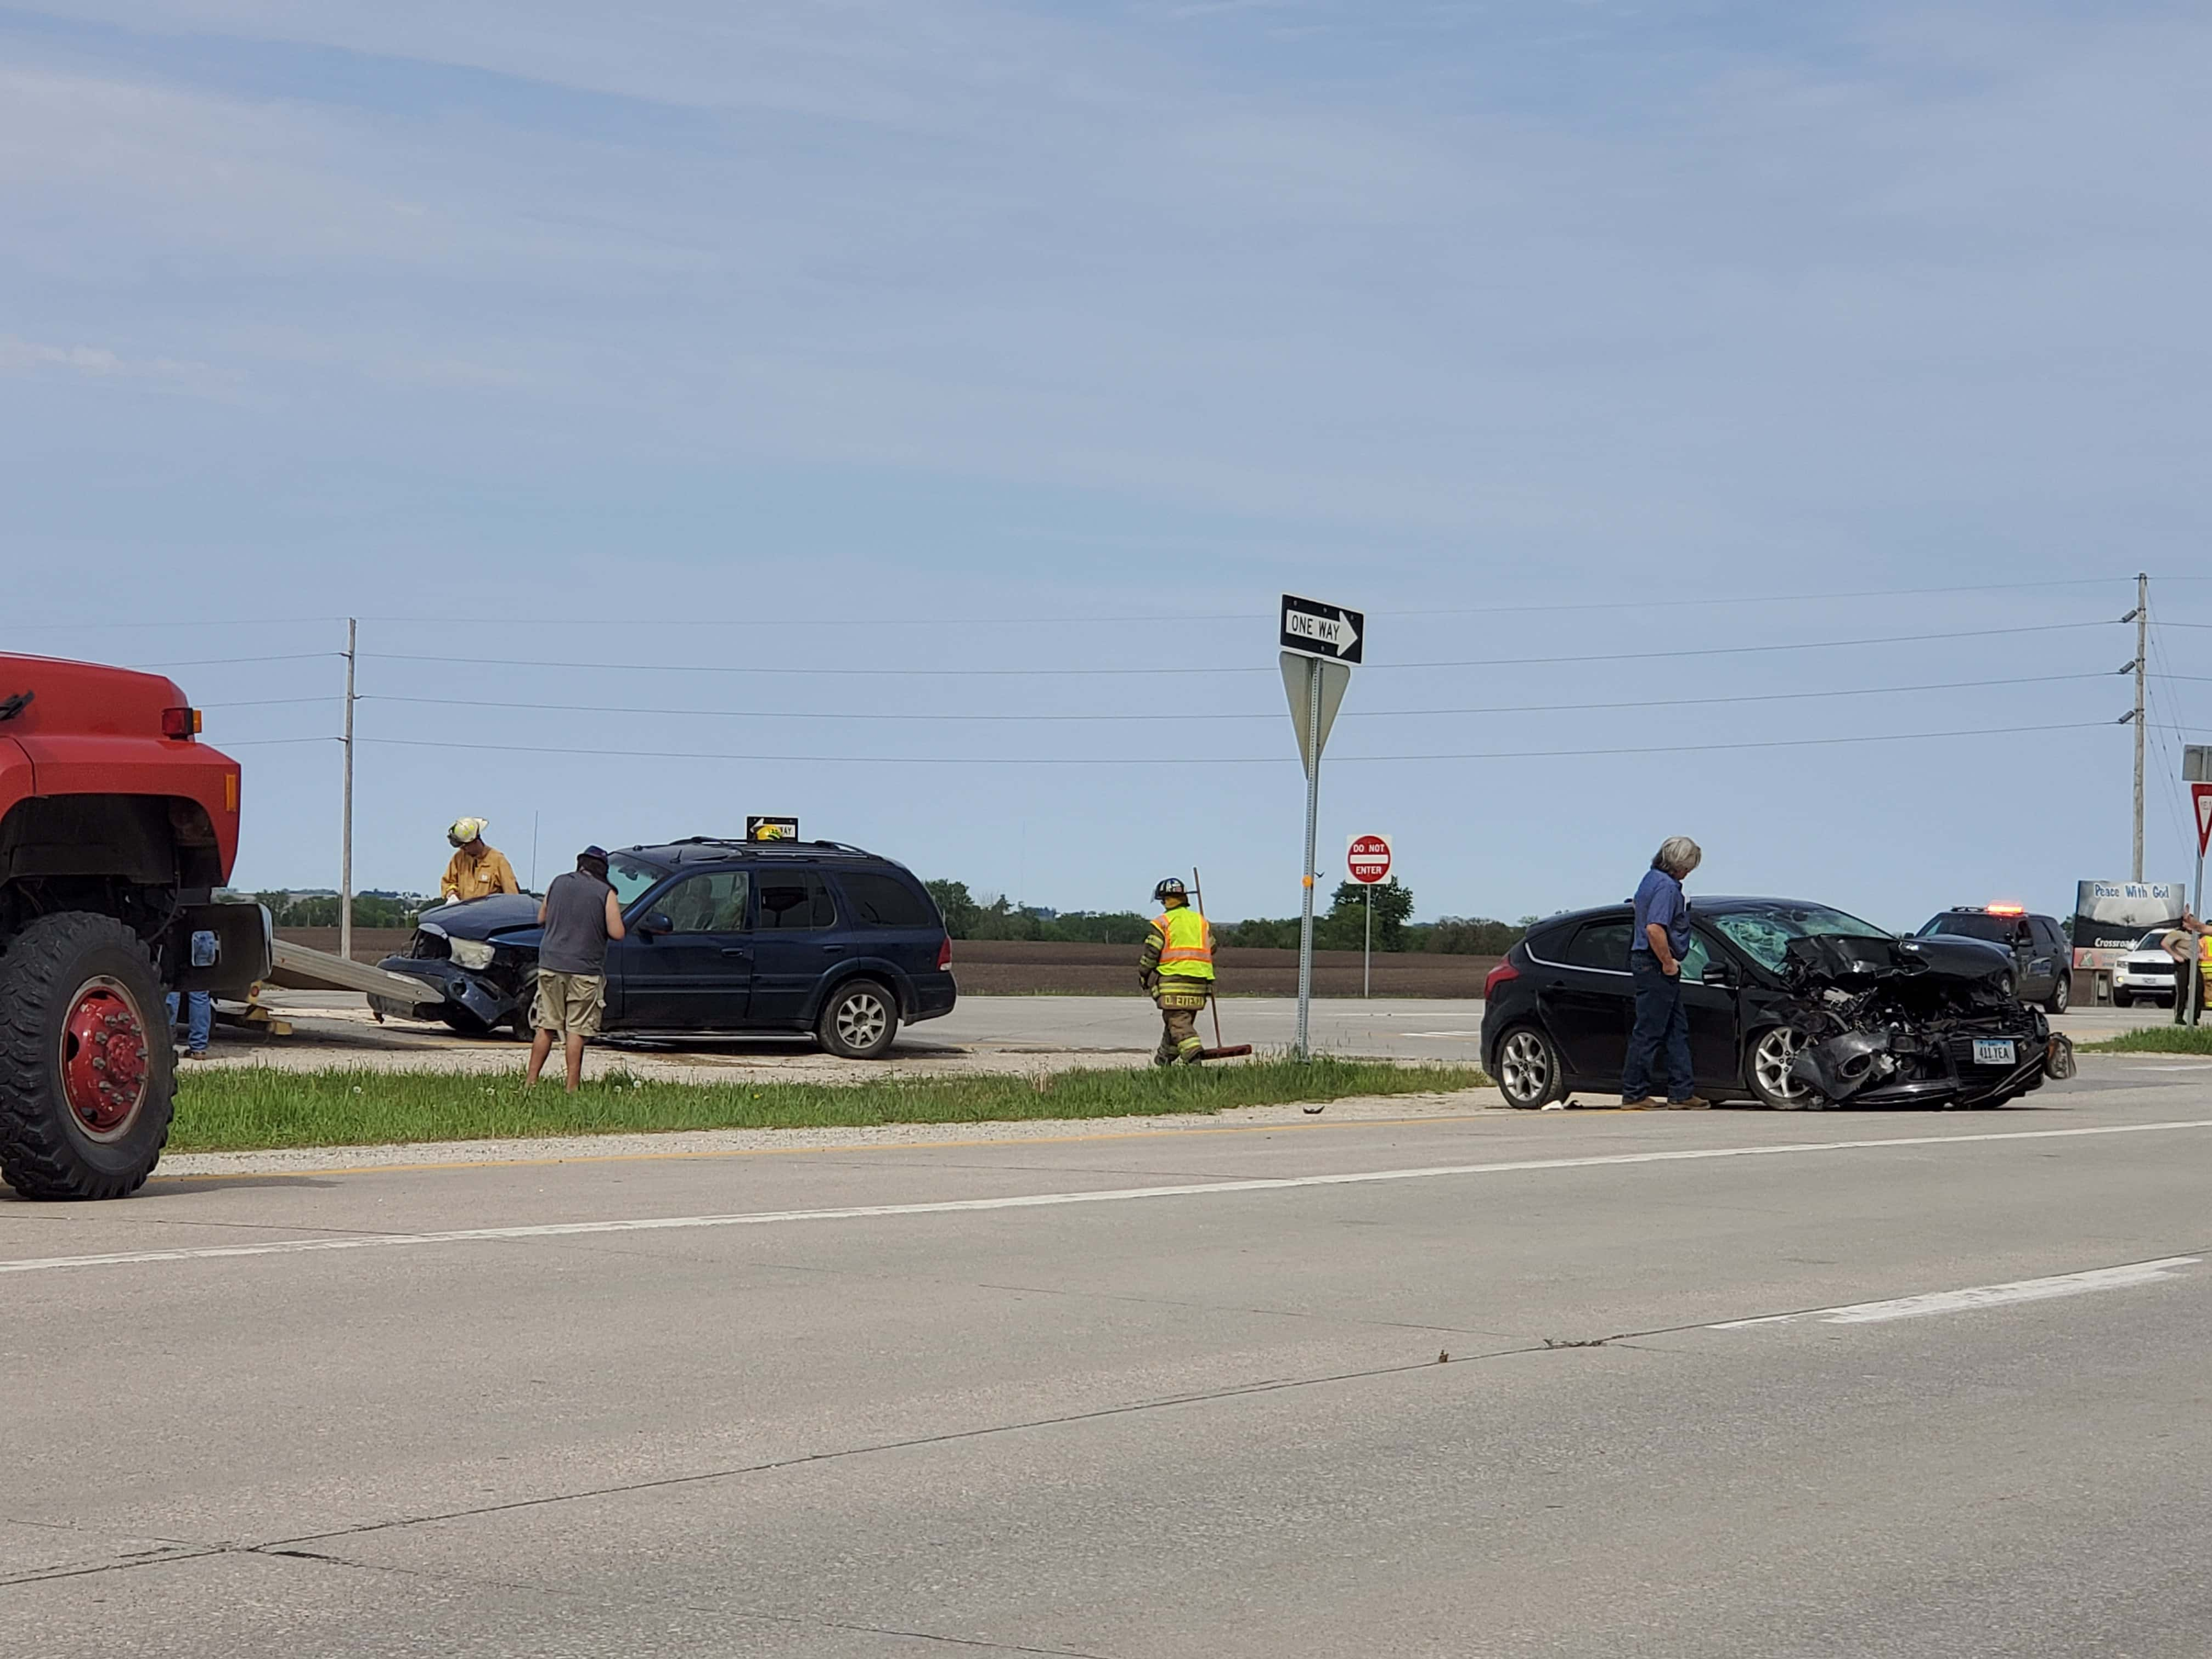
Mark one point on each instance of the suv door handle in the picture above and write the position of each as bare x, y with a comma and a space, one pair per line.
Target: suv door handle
734, 951
833, 950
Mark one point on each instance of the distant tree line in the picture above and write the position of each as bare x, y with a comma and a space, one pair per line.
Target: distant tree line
966, 917
1341, 927
321, 910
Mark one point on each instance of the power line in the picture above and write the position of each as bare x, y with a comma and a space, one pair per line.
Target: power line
1267, 616
1349, 714
1235, 759
272, 702
1034, 673
227, 662
1128, 619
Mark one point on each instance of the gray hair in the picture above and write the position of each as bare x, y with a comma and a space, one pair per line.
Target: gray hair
1678, 855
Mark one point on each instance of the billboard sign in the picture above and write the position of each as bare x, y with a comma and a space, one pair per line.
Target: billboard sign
2110, 916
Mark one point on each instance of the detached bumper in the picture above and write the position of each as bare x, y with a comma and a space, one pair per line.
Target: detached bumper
457, 988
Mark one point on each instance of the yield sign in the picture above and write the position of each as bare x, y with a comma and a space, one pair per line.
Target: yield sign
1299, 675
2202, 794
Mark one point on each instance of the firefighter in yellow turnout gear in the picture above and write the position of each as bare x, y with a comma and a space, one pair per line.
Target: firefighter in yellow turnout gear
1177, 969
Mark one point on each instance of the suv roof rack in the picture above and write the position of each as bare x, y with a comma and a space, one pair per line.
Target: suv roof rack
770, 848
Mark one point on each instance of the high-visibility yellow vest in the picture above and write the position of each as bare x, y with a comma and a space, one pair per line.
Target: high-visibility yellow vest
1189, 951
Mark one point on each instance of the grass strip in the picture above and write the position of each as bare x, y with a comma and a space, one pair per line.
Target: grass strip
2156, 1039
254, 1108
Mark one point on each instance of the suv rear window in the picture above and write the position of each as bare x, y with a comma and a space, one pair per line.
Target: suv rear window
882, 901
794, 901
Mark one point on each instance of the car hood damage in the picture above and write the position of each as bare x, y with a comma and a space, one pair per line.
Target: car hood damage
1928, 1021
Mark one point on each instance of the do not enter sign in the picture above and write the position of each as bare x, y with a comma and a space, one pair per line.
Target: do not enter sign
1369, 858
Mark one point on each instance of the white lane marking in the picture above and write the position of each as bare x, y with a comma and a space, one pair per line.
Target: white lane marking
2153, 1068
1982, 1296
1044, 1200
1448, 1037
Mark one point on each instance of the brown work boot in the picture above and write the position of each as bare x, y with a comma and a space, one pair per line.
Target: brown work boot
1694, 1104
1641, 1103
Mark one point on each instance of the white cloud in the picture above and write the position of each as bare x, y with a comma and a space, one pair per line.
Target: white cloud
97, 363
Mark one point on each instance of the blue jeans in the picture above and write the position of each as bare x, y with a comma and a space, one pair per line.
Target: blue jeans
202, 1021
1663, 1027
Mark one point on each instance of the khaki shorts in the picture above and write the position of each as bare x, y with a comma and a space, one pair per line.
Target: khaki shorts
569, 1004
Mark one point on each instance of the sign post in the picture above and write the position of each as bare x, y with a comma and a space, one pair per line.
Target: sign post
1320, 644
1368, 858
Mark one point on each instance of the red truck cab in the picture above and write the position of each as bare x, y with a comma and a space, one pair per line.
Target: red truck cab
117, 824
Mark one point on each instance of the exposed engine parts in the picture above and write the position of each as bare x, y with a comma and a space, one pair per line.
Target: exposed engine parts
1897, 1021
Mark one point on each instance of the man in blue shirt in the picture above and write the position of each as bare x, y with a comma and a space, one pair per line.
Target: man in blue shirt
1655, 949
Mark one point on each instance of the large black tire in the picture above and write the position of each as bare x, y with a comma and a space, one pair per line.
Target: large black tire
858, 1020
88, 1072
2061, 995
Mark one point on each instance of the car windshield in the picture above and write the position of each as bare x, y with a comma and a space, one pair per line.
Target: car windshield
1765, 934
630, 880
1998, 930
2154, 941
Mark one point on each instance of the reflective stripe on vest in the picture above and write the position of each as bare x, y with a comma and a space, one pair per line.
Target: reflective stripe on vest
1188, 953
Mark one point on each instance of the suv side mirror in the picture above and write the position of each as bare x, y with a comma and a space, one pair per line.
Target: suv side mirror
656, 922
1718, 972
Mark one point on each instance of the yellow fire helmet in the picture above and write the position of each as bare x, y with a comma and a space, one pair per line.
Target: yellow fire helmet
465, 830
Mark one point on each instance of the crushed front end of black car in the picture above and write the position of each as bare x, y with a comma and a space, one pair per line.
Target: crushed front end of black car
1916, 1022
478, 962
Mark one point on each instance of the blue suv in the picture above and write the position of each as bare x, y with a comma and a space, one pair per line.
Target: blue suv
725, 939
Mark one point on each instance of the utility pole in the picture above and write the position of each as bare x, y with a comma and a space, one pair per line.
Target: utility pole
345, 833
1313, 736
2142, 671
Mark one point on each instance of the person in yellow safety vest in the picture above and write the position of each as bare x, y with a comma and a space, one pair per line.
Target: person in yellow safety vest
1177, 969
476, 870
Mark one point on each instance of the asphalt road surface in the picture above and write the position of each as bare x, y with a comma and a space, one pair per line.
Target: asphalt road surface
1578, 1384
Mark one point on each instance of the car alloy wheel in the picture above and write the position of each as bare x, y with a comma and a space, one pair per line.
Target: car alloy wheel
859, 1021
1527, 1069
1770, 1059
2061, 995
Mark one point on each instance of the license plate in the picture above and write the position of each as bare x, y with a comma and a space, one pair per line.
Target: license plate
1994, 1051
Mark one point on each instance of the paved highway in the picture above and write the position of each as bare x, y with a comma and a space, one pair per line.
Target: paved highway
1465, 1387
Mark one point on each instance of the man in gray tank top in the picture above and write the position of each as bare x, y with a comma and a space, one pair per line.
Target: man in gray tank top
579, 915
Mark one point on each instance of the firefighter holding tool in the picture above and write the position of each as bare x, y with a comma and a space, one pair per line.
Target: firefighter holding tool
1177, 969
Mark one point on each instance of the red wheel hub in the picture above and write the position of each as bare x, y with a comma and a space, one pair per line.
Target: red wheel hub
104, 1058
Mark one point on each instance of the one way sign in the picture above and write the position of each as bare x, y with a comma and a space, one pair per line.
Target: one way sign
1328, 631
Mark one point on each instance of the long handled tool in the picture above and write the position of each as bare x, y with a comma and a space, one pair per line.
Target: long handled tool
1216, 1052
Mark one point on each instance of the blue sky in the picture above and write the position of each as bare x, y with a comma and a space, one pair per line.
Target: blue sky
721, 340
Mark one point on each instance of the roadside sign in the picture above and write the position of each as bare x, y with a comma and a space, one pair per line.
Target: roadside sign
2197, 763
2203, 794
1368, 858
764, 829
1298, 674
1327, 631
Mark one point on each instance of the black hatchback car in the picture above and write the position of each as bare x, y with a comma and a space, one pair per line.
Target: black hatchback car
726, 938
1791, 1003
